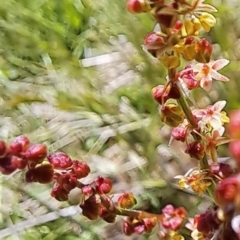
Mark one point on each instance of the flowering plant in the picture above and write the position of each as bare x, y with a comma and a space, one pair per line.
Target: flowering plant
178, 45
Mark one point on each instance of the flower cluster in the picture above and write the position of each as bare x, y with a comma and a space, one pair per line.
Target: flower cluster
65, 174
177, 38
20, 154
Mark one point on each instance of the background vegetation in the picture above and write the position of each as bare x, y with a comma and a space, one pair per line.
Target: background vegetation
101, 110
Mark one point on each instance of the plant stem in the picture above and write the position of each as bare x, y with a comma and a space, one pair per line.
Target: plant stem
135, 213
188, 113
203, 163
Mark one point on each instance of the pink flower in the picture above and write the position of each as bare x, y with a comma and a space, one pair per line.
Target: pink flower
212, 115
205, 72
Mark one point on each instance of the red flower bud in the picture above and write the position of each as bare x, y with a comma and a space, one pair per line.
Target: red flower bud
106, 215
207, 222
19, 163
221, 170
203, 51
128, 227
103, 185
44, 173
59, 192
67, 180
91, 208
161, 94
60, 160
30, 176
87, 190
19, 144
127, 200
195, 150
80, 169
36, 153
178, 25
179, 133
153, 41
189, 40
6, 165
137, 6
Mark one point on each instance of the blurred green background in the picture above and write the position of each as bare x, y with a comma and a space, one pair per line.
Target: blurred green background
73, 75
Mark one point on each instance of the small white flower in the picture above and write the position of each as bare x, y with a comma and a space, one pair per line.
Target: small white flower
211, 115
205, 72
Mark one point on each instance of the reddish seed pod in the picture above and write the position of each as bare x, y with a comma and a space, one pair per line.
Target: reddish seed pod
189, 40
177, 26
19, 145
87, 190
67, 180
221, 170
127, 200
203, 51
195, 150
91, 208
36, 153
60, 160
207, 222
19, 162
103, 185
137, 6
128, 227
59, 192
6, 165
160, 93
106, 215
42, 174
179, 133
153, 41
29, 176
80, 169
